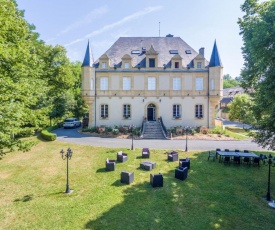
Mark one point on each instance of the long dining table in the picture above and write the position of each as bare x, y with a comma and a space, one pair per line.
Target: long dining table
238, 154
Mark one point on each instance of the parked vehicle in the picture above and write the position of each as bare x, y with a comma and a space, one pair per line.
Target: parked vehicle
71, 123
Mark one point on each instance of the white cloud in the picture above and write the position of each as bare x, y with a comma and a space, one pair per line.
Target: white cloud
95, 14
133, 16
87, 19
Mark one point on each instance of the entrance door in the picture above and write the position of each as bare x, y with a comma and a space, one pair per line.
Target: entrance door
151, 112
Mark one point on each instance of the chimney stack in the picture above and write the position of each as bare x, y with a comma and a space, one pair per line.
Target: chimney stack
201, 51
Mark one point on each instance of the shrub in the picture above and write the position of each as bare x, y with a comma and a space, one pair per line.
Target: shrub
115, 131
86, 130
204, 130
46, 135
27, 132
217, 130
108, 129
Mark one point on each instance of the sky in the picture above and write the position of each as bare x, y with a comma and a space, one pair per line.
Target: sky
199, 23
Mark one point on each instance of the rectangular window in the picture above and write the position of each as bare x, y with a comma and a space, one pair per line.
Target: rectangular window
176, 111
199, 83
176, 83
104, 111
177, 65
152, 62
104, 65
126, 83
104, 83
151, 83
126, 111
126, 65
199, 65
198, 111
212, 84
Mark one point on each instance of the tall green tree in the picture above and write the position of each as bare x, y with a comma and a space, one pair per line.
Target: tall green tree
18, 75
241, 109
258, 74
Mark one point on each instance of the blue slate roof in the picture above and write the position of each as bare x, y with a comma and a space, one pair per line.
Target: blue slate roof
215, 57
162, 45
88, 59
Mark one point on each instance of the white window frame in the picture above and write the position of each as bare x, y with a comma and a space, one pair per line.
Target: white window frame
126, 83
199, 83
104, 112
127, 111
177, 83
199, 111
199, 65
126, 65
176, 111
104, 83
104, 65
151, 83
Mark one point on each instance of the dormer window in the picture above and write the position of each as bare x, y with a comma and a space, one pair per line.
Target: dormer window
152, 62
126, 61
199, 65
103, 65
126, 65
177, 65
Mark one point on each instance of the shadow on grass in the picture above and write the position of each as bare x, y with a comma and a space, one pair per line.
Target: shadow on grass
179, 203
102, 170
24, 198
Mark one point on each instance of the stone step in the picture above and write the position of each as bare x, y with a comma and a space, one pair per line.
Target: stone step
152, 130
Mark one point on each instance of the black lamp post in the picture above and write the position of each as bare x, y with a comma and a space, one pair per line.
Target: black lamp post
186, 130
131, 127
268, 198
67, 156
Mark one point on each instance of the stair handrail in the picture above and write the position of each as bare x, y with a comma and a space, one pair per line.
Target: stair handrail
142, 127
163, 128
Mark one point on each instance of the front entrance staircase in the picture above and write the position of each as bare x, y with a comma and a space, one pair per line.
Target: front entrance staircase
152, 130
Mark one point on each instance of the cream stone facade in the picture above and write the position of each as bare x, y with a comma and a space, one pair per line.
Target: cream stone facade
148, 78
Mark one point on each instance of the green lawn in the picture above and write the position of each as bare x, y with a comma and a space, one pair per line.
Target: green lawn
214, 196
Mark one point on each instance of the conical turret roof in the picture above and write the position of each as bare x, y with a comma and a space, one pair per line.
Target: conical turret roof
215, 57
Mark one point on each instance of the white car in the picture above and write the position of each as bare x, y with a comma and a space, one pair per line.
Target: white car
71, 123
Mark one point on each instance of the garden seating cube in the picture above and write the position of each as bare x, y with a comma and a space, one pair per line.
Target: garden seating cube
181, 173
173, 156
110, 165
122, 157
156, 180
147, 165
184, 163
145, 153
126, 177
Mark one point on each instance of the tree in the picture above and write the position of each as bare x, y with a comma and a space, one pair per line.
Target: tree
229, 82
241, 109
258, 74
18, 76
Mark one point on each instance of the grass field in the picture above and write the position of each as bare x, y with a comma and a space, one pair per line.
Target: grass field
214, 196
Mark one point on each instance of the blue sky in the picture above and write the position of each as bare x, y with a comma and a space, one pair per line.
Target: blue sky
72, 23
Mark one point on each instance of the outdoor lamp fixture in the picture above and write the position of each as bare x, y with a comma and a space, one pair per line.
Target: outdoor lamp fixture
131, 127
268, 198
67, 156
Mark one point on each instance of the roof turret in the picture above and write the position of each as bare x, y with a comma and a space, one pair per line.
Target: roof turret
215, 57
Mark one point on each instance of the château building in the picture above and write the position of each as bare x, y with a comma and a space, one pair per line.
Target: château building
147, 78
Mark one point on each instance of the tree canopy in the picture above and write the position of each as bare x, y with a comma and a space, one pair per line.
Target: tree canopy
258, 74
229, 82
241, 109
37, 80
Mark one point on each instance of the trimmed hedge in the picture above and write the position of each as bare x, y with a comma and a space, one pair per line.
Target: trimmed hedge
46, 135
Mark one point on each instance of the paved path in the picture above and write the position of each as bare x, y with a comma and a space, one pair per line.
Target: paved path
72, 136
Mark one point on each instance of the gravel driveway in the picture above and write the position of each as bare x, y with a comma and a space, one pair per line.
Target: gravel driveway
73, 136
